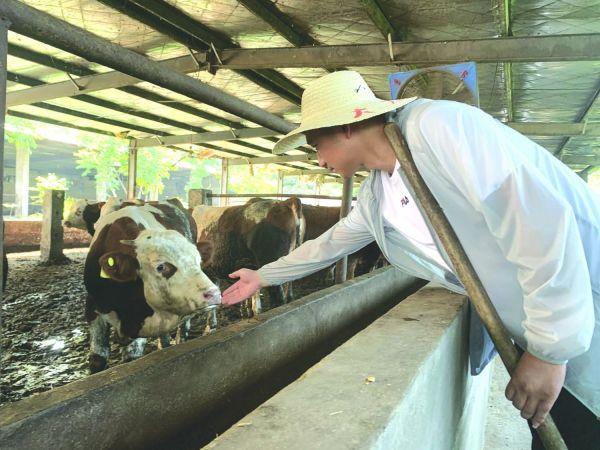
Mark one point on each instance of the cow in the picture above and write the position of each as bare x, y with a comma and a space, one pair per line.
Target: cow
84, 214
319, 219
143, 277
249, 235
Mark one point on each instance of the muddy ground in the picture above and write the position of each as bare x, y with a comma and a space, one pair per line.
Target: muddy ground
44, 340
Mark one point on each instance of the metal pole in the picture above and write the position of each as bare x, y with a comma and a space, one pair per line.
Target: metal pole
548, 432
280, 179
132, 174
341, 267
224, 181
50, 30
4, 24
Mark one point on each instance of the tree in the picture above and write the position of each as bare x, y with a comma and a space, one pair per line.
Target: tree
107, 159
49, 182
21, 134
104, 156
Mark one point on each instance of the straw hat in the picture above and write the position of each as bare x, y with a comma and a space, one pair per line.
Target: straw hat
338, 98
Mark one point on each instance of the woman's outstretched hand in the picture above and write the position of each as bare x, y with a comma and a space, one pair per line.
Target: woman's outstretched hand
248, 284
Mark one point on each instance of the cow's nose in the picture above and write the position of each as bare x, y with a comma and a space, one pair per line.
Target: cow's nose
213, 296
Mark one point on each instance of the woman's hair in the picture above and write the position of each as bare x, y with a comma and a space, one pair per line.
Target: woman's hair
312, 135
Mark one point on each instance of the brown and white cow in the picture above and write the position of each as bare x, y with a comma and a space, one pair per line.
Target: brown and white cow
249, 235
143, 277
84, 214
318, 220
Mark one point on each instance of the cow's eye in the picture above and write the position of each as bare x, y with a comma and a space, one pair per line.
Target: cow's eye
166, 269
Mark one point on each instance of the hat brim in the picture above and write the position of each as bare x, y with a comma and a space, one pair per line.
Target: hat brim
337, 116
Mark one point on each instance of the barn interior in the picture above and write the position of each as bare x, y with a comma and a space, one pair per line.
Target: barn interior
223, 80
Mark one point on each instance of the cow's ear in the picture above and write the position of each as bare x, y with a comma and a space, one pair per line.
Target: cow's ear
118, 267
206, 251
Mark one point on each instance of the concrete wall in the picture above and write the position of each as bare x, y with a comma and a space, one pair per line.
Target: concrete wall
25, 235
182, 396
402, 383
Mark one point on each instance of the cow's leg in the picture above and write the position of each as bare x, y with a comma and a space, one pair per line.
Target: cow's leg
245, 310
211, 321
289, 292
134, 349
276, 295
183, 331
256, 304
99, 344
164, 341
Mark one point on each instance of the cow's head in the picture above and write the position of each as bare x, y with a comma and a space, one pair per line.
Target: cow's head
73, 214
169, 267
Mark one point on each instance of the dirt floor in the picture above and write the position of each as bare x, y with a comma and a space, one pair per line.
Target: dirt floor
44, 341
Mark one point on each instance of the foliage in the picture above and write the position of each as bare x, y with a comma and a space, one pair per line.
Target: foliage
49, 182
202, 172
104, 157
20, 133
252, 180
107, 159
154, 166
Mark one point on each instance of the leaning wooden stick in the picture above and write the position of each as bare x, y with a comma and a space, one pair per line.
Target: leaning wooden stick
548, 432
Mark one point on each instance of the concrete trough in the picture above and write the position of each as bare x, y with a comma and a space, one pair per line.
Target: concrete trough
402, 383
183, 396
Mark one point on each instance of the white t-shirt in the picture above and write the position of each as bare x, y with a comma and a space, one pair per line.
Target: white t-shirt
401, 212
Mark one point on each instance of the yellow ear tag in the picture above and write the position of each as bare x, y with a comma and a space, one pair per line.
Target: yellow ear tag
111, 262
103, 274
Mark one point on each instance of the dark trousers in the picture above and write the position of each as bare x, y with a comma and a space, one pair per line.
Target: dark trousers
579, 427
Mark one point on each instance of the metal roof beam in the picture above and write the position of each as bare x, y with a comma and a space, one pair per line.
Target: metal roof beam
519, 49
174, 23
556, 128
281, 23
583, 160
507, 65
69, 67
274, 160
381, 21
578, 47
211, 136
43, 27
80, 70
581, 116
90, 83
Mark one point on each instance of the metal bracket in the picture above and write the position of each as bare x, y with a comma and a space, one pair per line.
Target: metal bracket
79, 88
194, 58
213, 60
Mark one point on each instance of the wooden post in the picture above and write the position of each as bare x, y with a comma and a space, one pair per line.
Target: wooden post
22, 182
131, 174
198, 197
341, 267
224, 180
51, 243
4, 24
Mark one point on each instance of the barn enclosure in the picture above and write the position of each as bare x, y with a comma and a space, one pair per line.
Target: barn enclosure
141, 100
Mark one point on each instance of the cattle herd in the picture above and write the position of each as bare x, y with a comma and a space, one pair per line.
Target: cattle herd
151, 265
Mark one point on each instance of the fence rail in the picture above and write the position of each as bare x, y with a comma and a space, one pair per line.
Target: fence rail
314, 196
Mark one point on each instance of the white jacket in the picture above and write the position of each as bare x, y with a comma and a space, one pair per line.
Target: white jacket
530, 226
